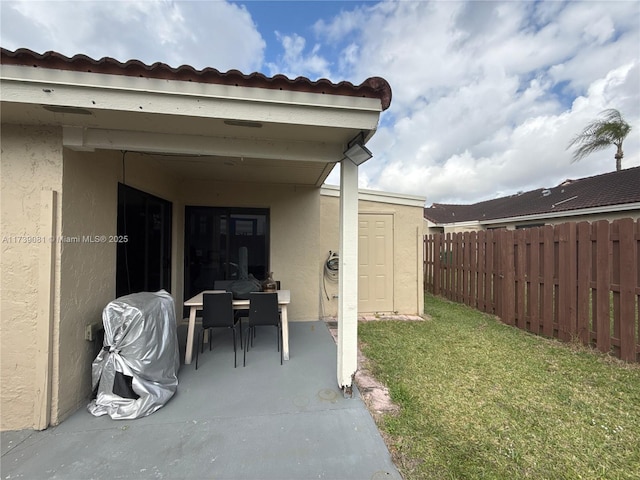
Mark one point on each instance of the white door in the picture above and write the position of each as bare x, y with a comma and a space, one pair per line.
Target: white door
375, 256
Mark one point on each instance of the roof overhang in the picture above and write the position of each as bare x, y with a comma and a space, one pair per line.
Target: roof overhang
192, 128
625, 207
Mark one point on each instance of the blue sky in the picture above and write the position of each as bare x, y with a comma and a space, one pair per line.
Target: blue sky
486, 95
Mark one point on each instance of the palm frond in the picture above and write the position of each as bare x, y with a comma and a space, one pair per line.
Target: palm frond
611, 129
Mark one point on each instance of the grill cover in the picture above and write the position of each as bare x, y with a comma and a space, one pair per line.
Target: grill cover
135, 373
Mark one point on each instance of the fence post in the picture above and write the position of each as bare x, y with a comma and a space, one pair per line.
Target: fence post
533, 296
507, 268
492, 268
548, 285
627, 279
481, 258
458, 267
601, 310
437, 252
466, 268
473, 269
567, 281
520, 278
584, 266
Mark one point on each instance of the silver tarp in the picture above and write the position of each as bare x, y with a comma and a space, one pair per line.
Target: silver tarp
136, 371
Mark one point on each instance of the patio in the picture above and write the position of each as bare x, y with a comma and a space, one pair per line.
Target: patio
263, 421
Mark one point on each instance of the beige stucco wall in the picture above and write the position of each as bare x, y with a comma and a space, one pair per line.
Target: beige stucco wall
294, 231
88, 269
31, 161
303, 226
407, 254
87, 272
86, 184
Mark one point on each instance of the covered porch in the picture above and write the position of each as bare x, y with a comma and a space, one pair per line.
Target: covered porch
75, 130
263, 421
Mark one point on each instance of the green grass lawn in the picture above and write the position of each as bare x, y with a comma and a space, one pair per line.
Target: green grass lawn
480, 399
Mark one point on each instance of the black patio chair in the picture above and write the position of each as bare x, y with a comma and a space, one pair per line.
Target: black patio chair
217, 312
263, 311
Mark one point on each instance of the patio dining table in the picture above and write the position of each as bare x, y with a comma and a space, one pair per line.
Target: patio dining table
195, 304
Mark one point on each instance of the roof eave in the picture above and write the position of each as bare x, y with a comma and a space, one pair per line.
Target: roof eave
565, 213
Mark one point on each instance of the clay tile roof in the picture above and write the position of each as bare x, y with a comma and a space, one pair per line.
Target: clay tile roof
609, 189
373, 87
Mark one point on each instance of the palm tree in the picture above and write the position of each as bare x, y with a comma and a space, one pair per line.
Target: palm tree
599, 134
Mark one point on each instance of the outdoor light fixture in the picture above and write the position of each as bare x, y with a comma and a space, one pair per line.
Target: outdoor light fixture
357, 152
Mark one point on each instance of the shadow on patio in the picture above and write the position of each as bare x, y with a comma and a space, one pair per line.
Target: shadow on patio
263, 421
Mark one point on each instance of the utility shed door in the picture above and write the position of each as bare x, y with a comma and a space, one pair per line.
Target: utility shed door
375, 255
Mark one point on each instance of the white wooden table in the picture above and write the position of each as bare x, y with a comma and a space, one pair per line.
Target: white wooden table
195, 304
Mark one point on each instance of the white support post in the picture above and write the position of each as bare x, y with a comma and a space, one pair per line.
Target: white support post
348, 277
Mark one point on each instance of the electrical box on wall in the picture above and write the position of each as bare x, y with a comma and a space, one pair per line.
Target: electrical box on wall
90, 331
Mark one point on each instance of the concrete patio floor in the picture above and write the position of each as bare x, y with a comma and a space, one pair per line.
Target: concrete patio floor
263, 421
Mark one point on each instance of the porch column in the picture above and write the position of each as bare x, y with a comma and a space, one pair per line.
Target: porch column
348, 277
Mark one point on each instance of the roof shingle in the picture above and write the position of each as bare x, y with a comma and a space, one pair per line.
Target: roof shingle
614, 188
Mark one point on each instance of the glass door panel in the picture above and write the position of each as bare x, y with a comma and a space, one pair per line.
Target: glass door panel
213, 238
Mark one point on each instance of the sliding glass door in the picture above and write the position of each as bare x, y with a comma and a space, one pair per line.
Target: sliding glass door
144, 249
213, 239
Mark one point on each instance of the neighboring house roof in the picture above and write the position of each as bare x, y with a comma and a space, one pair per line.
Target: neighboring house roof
606, 190
373, 87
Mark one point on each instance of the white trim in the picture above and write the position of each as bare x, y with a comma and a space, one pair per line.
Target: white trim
45, 312
90, 139
567, 213
378, 196
542, 216
347, 360
471, 223
69, 88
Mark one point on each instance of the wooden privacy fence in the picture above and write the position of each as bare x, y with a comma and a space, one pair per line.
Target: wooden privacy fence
569, 281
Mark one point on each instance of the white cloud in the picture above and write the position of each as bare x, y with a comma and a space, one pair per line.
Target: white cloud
296, 61
486, 95
201, 34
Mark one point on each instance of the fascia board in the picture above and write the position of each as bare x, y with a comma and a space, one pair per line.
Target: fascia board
566, 213
171, 97
473, 223
378, 196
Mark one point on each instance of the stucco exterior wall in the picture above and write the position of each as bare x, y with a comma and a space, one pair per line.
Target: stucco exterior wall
407, 255
294, 232
88, 269
304, 226
33, 160
30, 162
